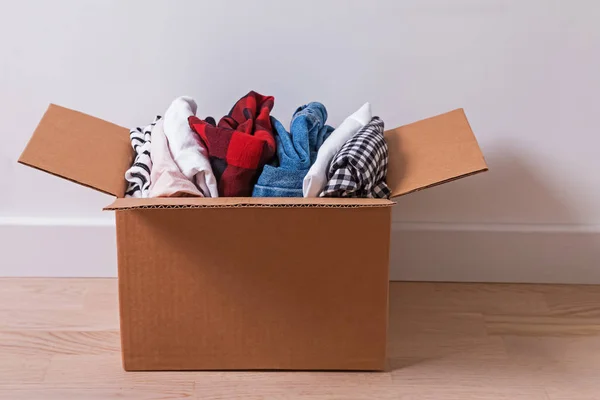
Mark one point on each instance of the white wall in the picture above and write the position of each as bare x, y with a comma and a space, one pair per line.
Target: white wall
527, 73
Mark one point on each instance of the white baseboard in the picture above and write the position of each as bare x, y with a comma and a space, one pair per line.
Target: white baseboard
420, 251
495, 253
35, 247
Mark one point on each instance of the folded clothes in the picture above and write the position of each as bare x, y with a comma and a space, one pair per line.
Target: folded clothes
138, 175
166, 179
240, 144
360, 167
316, 178
188, 151
296, 152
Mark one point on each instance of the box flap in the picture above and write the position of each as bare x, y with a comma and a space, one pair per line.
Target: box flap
431, 152
258, 202
82, 149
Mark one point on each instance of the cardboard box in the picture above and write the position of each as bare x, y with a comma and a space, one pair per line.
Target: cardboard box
251, 283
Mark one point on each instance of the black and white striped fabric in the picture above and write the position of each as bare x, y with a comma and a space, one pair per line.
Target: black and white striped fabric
138, 175
360, 167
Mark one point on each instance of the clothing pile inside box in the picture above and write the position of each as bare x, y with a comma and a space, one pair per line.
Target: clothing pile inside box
244, 244
250, 153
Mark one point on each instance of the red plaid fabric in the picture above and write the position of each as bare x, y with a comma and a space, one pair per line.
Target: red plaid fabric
240, 144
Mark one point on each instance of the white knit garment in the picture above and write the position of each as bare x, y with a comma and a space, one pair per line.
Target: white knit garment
316, 178
188, 152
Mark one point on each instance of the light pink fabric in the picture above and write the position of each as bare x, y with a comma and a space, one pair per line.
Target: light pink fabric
187, 149
166, 180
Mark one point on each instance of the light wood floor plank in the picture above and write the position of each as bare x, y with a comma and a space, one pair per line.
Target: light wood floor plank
38, 294
22, 369
148, 391
58, 320
257, 391
576, 352
573, 301
59, 340
89, 371
528, 325
470, 297
101, 295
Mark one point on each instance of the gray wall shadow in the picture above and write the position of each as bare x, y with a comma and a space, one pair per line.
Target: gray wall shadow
512, 191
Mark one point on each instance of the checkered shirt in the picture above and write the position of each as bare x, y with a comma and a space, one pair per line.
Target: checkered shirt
360, 167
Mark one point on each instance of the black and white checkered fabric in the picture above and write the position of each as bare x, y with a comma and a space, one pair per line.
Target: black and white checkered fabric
138, 175
360, 167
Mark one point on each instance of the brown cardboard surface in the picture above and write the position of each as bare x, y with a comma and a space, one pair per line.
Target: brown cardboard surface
229, 202
432, 151
80, 148
254, 288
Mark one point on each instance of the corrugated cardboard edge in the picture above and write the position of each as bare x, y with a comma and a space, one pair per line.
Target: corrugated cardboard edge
442, 182
431, 152
80, 148
238, 202
122, 249
384, 361
27, 164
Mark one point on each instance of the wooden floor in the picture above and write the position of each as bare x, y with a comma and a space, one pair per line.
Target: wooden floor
59, 339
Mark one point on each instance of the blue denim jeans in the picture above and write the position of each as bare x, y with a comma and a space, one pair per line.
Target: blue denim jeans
296, 152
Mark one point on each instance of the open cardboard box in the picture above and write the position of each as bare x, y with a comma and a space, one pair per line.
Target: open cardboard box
251, 283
